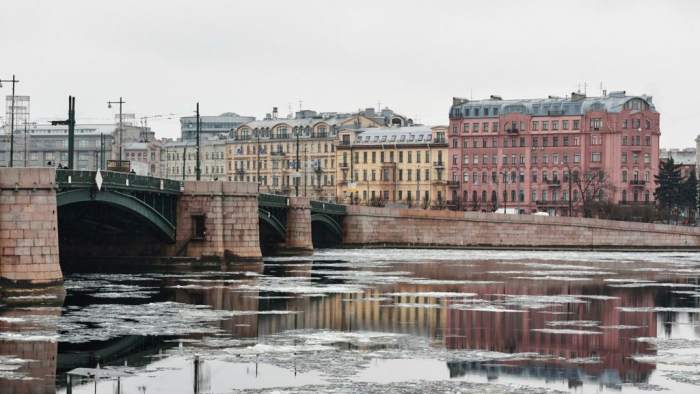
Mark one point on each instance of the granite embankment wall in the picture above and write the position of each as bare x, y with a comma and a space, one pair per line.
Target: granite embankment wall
28, 227
380, 226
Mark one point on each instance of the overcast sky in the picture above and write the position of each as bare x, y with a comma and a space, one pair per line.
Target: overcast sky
163, 57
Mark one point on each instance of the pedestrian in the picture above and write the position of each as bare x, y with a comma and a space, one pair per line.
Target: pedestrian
132, 171
59, 166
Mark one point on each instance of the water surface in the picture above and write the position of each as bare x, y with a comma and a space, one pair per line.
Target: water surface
370, 321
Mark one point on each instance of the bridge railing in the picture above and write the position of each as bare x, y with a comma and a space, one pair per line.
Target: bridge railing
328, 207
66, 178
272, 200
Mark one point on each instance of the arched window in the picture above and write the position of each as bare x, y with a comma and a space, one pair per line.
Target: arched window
483, 195
636, 196
505, 195
555, 195
454, 195
624, 196
494, 196
475, 196
646, 196
544, 195
575, 195
521, 196
534, 195
512, 195
465, 195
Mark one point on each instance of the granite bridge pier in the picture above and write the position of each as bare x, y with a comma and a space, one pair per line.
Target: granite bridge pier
46, 214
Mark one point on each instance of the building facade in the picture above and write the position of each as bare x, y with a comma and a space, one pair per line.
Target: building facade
181, 160
212, 127
46, 145
392, 165
284, 155
545, 154
146, 157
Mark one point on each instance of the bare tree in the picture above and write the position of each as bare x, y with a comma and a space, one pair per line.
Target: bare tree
492, 205
440, 204
425, 203
594, 190
475, 203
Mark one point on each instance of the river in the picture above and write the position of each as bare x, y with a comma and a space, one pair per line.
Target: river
374, 321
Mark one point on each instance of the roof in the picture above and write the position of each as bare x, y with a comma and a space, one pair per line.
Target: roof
575, 105
94, 129
399, 135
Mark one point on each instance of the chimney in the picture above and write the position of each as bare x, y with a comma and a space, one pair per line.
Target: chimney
274, 112
577, 96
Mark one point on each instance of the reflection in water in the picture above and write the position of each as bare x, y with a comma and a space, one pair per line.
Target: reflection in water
536, 321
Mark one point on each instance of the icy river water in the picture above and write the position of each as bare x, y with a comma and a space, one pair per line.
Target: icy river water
369, 321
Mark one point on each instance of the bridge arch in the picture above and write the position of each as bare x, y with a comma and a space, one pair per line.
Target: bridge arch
121, 200
325, 230
270, 219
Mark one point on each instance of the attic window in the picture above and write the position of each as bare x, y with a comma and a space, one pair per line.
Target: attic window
393, 138
376, 138
358, 139
411, 138
403, 138
383, 138
420, 137
429, 138
367, 139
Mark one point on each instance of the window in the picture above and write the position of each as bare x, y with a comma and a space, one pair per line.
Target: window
545, 158
545, 141
364, 157
566, 141
476, 159
454, 159
199, 230
466, 177
494, 159
522, 141
647, 141
534, 177
624, 124
545, 125
486, 127
454, 143
410, 156
576, 158
374, 157
624, 140
535, 142
565, 158
555, 125
535, 126
595, 157
534, 158
646, 158
624, 176
596, 124
466, 159
495, 126
635, 158
485, 159
577, 124
647, 124
555, 141
476, 143
466, 127
465, 143
565, 125
484, 142
577, 141
512, 159
454, 128
494, 143
476, 127
522, 158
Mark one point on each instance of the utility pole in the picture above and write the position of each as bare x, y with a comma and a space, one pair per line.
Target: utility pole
12, 117
197, 169
352, 171
518, 196
257, 138
296, 165
121, 128
71, 132
305, 164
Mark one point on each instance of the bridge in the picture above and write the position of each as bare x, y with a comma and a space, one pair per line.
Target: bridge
133, 206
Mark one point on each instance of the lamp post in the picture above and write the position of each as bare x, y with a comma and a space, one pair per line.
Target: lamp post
26, 137
12, 117
505, 190
296, 167
418, 188
518, 197
121, 127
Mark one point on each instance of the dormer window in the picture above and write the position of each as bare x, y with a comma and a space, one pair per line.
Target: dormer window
410, 138
383, 138
403, 138
420, 137
393, 138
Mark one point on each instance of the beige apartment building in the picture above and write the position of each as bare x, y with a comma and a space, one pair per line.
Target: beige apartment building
296, 155
392, 165
181, 160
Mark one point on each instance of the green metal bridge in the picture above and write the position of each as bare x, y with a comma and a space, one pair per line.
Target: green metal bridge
155, 199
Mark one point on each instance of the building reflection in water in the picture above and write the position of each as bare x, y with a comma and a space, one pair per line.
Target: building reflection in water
27, 320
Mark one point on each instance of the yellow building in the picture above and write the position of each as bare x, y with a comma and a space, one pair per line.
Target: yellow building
394, 165
281, 154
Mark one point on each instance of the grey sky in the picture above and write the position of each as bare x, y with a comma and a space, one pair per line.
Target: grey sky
413, 56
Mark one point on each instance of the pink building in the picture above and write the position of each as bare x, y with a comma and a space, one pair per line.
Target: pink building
547, 152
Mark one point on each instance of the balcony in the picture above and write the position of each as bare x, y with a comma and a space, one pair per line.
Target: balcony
240, 171
439, 164
318, 169
344, 144
438, 182
553, 182
638, 183
279, 136
343, 165
342, 183
319, 135
636, 148
244, 138
440, 140
557, 203
512, 131
453, 183
278, 153
623, 202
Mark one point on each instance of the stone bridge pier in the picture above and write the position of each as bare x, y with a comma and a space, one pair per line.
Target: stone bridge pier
298, 238
218, 221
28, 228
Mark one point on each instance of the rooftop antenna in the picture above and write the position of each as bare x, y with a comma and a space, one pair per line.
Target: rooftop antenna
601, 89
585, 89
290, 109
300, 103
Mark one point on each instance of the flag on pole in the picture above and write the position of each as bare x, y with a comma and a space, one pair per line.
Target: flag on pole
239, 151
262, 151
291, 164
314, 163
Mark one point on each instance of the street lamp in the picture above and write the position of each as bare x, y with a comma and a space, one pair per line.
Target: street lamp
418, 188
505, 190
26, 137
121, 127
12, 117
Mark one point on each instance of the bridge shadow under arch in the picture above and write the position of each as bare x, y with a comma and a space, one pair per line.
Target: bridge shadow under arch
325, 231
272, 232
109, 223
